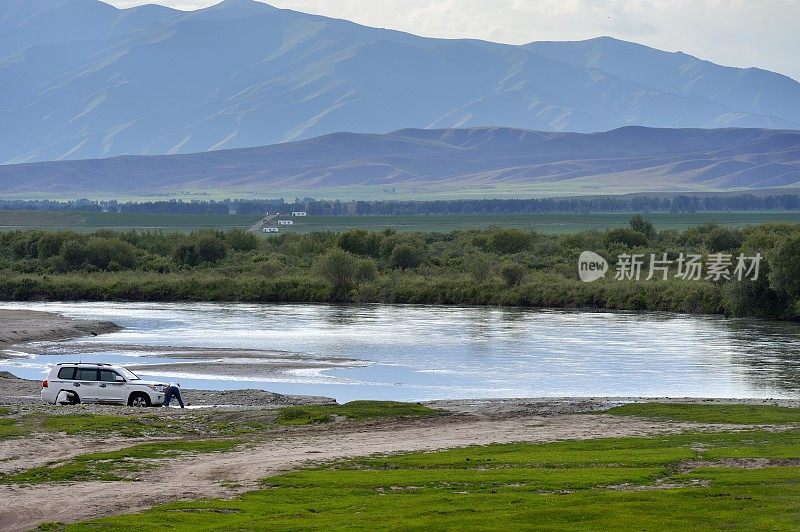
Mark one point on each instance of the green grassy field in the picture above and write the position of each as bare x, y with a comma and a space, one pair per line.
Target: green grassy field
90, 221
726, 480
675, 482
545, 223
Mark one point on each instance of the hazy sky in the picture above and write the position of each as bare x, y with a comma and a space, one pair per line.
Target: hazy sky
761, 33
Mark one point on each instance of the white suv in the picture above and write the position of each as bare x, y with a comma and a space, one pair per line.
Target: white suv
73, 383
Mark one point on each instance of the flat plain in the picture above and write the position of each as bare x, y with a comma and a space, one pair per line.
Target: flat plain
545, 223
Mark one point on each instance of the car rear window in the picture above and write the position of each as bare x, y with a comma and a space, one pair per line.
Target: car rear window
106, 375
66, 373
85, 374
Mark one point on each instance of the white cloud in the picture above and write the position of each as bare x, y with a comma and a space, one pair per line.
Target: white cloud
741, 33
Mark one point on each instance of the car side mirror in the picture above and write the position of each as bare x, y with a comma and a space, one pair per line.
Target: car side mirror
119, 378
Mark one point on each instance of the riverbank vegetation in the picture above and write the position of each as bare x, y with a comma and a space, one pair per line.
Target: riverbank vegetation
495, 266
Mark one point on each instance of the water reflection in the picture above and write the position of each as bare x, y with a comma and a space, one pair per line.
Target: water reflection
769, 350
343, 315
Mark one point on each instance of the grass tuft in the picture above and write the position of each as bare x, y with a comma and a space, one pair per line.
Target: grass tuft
700, 413
10, 429
102, 424
356, 410
52, 526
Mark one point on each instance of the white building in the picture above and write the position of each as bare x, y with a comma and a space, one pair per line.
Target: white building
270, 229
285, 222
300, 213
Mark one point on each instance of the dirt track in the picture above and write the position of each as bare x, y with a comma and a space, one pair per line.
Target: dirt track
23, 507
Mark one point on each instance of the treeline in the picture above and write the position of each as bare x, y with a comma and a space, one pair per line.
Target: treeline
315, 207
578, 205
494, 266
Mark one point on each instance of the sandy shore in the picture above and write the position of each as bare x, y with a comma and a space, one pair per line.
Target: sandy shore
17, 326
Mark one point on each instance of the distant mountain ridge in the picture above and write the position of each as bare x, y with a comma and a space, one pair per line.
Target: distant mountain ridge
630, 159
81, 79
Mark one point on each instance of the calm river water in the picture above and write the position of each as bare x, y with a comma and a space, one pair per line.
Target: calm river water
417, 353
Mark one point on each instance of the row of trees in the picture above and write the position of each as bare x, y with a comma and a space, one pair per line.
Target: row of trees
496, 266
610, 204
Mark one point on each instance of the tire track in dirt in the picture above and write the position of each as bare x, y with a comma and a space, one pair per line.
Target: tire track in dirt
43, 449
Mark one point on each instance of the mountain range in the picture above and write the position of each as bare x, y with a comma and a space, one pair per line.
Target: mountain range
484, 159
81, 79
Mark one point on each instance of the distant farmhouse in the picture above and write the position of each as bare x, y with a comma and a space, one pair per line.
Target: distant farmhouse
269, 223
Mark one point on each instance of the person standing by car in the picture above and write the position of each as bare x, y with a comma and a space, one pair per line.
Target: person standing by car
173, 390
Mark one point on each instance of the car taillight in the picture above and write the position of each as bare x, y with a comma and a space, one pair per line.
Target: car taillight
44, 383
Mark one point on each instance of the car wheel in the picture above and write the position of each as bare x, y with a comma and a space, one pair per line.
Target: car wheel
139, 400
69, 398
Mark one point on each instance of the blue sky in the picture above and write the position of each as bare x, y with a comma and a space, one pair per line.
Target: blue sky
743, 33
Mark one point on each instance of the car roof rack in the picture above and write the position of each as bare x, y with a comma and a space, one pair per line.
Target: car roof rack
83, 363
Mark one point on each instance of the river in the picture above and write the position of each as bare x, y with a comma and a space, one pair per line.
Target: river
418, 353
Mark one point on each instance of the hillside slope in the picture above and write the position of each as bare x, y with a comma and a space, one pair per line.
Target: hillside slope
630, 159
81, 79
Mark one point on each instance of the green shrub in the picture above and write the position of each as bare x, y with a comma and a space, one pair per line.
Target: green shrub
625, 236
510, 241
512, 273
211, 249
102, 252
721, 239
361, 242
72, 255
640, 225
404, 257
338, 267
